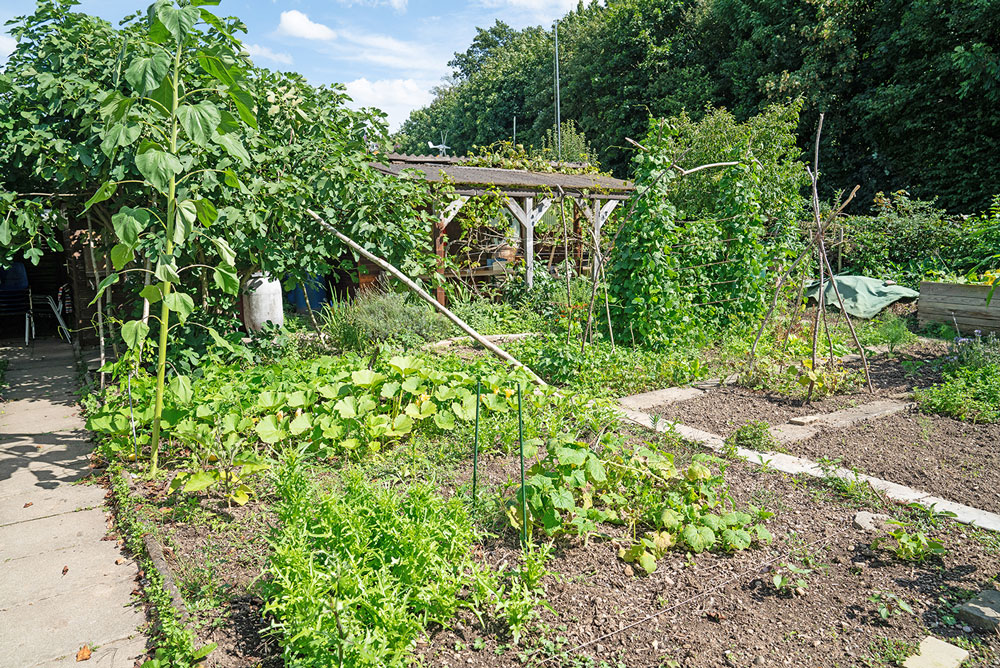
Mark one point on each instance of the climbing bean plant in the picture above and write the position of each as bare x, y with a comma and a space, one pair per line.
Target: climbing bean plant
697, 250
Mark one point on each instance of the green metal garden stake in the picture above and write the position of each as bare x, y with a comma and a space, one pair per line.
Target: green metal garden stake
475, 449
520, 442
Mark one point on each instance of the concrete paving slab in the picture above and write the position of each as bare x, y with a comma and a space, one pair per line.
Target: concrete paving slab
802, 466
983, 612
58, 626
18, 478
670, 395
934, 653
790, 433
37, 503
807, 426
63, 446
52, 533
42, 416
86, 566
119, 654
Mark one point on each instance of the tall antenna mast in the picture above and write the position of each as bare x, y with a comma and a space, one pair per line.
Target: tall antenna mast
558, 114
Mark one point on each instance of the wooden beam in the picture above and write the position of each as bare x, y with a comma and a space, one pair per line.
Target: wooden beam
446, 216
464, 326
529, 242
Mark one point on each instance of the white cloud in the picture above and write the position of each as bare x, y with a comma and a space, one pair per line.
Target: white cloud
296, 24
398, 5
396, 97
259, 52
7, 46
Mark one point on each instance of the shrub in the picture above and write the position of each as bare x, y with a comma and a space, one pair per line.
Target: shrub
907, 240
488, 317
971, 386
383, 318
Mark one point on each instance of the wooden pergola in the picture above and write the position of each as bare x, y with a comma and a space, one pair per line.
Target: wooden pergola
527, 195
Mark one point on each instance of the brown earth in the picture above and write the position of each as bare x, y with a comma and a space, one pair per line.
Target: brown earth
713, 610
948, 458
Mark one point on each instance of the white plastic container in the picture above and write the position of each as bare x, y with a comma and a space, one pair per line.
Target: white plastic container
263, 301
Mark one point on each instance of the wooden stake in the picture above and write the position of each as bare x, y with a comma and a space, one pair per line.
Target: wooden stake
483, 341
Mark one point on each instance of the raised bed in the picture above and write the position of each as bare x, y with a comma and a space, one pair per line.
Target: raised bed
966, 305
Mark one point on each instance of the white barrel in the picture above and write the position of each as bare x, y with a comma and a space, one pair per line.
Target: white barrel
263, 301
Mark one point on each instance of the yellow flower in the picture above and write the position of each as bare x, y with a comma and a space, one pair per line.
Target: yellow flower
509, 392
424, 397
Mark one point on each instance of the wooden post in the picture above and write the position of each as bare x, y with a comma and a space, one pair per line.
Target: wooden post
440, 227
529, 242
578, 245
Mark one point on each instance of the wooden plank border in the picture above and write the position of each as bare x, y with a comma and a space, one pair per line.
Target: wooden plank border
949, 303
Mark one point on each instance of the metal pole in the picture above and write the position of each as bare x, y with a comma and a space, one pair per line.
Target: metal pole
558, 112
520, 442
514, 142
475, 449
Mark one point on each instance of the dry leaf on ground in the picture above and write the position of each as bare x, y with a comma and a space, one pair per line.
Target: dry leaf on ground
83, 654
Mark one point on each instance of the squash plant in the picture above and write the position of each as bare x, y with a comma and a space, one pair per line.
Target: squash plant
173, 120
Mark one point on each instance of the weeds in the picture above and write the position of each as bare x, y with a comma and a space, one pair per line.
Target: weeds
358, 574
910, 546
751, 436
888, 605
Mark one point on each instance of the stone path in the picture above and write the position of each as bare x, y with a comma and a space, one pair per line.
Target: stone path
61, 586
632, 408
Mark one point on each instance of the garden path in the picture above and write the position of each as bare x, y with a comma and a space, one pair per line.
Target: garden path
62, 587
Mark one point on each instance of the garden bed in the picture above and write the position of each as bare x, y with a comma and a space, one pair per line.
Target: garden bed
723, 410
948, 458
724, 609
217, 555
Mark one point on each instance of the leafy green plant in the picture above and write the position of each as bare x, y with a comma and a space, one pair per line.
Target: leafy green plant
888, 604
357, 574
338, 406
572, 489
966, 393
889, 330
791, 579
691, 255
222, 458
178, 124
559, 488
752, 436
824, 380
908, 546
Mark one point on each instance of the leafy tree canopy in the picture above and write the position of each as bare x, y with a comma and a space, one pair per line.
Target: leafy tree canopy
910, 87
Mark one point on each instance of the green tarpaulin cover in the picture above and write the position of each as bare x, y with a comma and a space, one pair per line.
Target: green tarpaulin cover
863, 297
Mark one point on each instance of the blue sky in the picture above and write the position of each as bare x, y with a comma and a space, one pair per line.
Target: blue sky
389, 53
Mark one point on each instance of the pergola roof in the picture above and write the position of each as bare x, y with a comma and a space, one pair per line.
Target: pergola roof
469, 180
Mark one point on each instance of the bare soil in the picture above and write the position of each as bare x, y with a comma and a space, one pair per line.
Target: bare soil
712, 610
217, 554
948, 458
